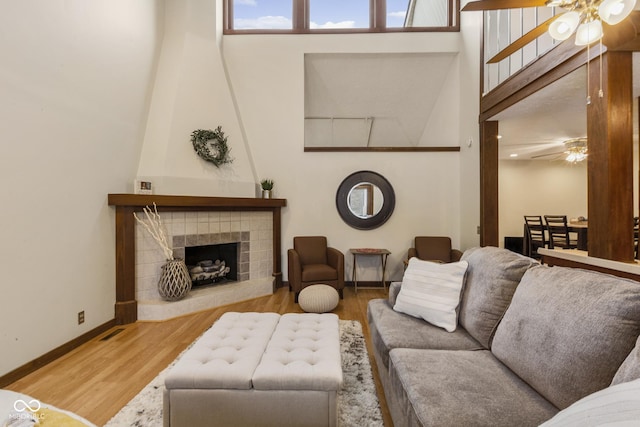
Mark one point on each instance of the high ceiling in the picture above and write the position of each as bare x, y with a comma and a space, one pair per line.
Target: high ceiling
380, 100
538, 125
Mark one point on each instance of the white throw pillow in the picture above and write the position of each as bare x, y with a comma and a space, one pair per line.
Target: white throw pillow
431, 291
617, 405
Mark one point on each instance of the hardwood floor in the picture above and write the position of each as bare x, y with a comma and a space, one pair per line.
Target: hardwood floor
98, 378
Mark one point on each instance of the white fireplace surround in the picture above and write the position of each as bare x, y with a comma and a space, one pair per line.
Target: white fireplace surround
196, 228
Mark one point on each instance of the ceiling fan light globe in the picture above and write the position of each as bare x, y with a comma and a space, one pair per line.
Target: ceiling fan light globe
575, 157
564, 26
614, 11
576, 150
589, 32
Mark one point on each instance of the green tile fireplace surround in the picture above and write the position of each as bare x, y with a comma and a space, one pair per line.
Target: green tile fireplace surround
126, 307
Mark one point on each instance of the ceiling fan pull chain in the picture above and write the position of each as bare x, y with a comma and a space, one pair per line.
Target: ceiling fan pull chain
588, 76
600, 92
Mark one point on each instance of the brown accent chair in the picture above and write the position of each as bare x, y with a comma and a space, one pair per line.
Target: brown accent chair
311, 261
430, 248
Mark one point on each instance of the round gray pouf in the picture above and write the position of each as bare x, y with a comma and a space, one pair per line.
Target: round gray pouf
318, 299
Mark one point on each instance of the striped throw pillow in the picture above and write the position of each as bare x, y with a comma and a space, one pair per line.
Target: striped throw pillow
617, 405
431, 291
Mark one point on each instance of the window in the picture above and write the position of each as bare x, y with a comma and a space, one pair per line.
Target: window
262, 14
333, 14
339, 16
396, 13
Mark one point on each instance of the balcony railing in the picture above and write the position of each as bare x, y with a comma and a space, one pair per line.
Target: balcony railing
503, 27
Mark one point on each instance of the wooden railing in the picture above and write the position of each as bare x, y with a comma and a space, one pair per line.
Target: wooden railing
503, 27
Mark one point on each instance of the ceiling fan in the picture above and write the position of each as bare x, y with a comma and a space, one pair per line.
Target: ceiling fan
575, 150
584, 17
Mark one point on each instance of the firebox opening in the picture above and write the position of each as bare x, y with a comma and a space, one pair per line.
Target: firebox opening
209, 264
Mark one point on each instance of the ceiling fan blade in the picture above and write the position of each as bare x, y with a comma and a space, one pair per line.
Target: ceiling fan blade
501, 4
547, 155
534, 144
522, 41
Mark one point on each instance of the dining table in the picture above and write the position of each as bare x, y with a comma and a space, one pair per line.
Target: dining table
581, 228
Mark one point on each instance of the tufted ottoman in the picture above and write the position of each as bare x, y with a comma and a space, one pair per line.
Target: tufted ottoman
261, 369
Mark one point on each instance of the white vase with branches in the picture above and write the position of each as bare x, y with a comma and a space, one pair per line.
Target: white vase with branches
175, 281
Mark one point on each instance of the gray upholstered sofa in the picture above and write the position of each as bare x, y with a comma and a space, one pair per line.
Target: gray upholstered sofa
531, 340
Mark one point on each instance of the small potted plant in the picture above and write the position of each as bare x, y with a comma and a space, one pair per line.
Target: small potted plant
267, 186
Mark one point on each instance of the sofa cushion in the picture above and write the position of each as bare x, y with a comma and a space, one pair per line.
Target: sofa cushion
431, 291
492, 277
226, 355
617, 405
394, 290
630, 368
461, 388
390, 329
302, 354
567, 331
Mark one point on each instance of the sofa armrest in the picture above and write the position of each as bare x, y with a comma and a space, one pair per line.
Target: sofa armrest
394, 290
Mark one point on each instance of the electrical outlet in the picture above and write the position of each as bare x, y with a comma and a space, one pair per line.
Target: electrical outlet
81, 317
478, 230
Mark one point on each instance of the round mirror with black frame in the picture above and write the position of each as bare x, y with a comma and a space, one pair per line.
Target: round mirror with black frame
365, 200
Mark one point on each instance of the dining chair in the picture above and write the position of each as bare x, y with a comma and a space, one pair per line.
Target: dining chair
534, 229
558, 231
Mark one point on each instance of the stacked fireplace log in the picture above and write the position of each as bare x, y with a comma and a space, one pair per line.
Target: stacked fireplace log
208, 270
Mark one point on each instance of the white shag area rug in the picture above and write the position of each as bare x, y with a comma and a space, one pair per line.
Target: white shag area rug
358, 403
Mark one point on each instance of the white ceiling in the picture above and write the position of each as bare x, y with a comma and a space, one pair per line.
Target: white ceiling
538, 125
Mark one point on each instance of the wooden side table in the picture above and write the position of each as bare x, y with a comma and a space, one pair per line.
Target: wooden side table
382, 253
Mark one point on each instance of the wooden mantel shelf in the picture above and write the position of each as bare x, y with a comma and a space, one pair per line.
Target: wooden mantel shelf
162, 201
126, 308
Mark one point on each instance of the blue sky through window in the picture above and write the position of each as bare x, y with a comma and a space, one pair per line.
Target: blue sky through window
396, 11
339, 13
262, 14
277, 14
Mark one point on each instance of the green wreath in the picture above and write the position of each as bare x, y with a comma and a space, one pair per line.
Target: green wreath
211, 145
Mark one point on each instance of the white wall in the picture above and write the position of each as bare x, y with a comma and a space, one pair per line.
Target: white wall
191, 92
267, 78
74, 79
471, 33
534, 187
260, 78
82, 98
